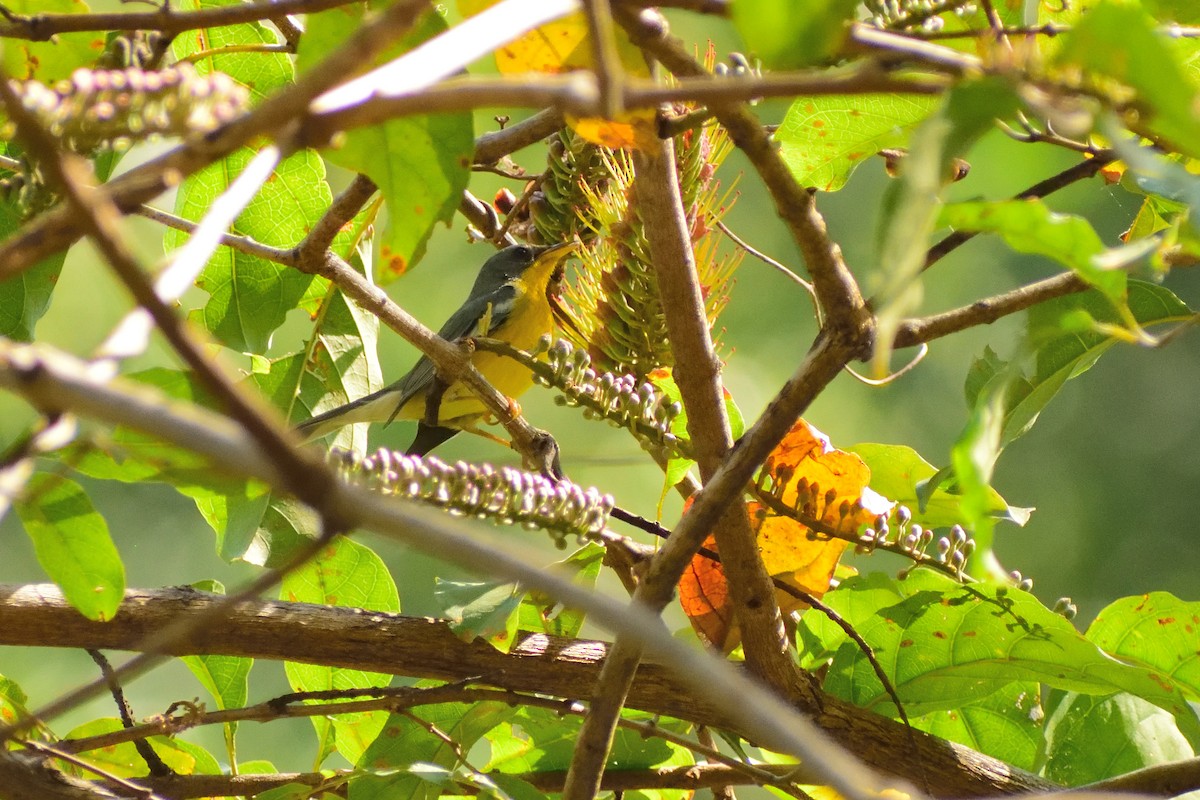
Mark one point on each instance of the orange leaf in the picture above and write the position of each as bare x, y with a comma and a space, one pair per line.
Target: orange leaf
704, 595
826, 484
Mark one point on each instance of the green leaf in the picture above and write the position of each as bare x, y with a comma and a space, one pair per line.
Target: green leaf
262, 73
249, 296
1063, 350
786, 34
973, 459
420, 163
1156, 631
547, 741
1005, 725
1092, 738
1120, 41
898, 473
55, 59
542, 613
338, 364
25, 297
1029, 226
823, 139
405, 742
124, 761
945, 645
486, 609
13, 702
345, 574
72, 544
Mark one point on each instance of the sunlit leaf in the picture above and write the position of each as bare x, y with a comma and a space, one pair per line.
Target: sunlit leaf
124, 761
1156, 631
1063, 350
542, 613
73, 545
898, 472
823, 139
1092, 738
1006, 725
943, 645
787, 34
421, 739
250, 296
57, 58
345, 574
420, 163
1119, 41
1029, 226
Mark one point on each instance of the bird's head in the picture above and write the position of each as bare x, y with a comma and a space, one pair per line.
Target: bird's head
537, 265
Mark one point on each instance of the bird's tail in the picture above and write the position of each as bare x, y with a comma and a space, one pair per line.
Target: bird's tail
374, 407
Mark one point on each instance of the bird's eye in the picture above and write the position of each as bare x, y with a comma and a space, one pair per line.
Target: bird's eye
523, 253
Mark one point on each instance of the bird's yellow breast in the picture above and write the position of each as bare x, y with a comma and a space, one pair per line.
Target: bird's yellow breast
529, 320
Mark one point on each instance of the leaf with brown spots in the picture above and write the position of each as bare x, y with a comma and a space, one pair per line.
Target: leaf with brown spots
564, 46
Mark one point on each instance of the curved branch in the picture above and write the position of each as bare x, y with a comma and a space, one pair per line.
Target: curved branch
420, 647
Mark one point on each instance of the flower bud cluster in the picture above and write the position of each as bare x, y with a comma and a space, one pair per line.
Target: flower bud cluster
114, 108
908, 13
504, 494
642, 409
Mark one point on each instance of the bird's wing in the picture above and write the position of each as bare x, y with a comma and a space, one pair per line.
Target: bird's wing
462, 323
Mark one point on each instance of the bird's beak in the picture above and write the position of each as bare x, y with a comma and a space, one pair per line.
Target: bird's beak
559, 253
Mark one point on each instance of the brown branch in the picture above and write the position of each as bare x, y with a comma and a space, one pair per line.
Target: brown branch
56, 229
490, 147
39, 616
1081, 171
698, 373
900, 47
912, 332
577, 93
847, 315
24, 776
1160, 780
343, 209
308, 704
697, 776
41, 27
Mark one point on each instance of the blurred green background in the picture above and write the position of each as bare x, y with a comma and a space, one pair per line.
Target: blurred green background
1110, 465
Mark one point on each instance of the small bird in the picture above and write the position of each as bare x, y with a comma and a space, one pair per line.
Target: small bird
516, 296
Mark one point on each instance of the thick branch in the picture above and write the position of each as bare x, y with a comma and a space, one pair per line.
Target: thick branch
698, 373
697, 776
418, 647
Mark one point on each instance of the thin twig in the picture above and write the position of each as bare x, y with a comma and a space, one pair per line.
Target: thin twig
153, 761
1081, 171
41, 27
986, 311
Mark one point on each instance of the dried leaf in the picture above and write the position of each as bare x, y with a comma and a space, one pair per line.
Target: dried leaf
808, 473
